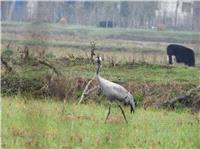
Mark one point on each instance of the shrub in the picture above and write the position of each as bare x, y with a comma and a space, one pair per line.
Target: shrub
7, 53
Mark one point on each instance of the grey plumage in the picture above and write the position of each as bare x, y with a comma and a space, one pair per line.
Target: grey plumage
114, 92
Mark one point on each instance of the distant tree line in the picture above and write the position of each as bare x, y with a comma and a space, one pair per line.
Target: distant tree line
138, 14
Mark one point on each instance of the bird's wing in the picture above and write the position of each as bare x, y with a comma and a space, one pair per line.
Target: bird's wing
119, 92
113, 90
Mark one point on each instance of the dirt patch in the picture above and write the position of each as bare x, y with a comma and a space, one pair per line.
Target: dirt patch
78, 118
111, 119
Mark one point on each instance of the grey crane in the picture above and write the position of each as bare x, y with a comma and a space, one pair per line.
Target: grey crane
114, 92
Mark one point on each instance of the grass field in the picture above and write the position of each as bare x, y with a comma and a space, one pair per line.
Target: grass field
29, 123
134, 58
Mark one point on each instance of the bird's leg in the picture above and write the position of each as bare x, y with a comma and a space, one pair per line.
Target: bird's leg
108, 113
123, 112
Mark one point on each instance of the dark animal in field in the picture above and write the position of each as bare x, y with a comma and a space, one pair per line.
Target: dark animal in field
183, 54
114, 92
106, 24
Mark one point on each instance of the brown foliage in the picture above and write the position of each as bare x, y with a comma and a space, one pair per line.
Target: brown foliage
64, 87
150, 94
154, 94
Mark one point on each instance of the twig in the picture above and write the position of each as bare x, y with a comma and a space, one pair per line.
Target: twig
8, 46
85, 90
91, 90
92, 53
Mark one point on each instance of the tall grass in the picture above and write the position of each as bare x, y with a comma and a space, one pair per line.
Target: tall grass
28, 123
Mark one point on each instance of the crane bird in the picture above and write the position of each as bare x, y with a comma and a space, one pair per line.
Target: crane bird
114, 92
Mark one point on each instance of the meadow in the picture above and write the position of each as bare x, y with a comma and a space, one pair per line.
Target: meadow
37, 114
31, 123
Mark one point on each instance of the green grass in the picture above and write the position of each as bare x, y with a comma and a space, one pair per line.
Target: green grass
28, 123
138, 73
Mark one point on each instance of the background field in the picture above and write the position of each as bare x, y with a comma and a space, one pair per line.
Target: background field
117, 43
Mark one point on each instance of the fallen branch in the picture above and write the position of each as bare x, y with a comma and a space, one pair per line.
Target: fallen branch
181, 98
8, 67
50, 66
85, 90
193, 90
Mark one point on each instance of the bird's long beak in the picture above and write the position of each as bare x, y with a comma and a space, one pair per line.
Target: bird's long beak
132, 109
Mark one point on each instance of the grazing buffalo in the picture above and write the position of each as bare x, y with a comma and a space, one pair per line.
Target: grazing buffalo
106, 24
183, 54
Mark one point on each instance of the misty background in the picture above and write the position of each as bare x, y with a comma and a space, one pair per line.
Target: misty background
179, 15
136, 31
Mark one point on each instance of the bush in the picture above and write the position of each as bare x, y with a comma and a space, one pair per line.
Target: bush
12, 85
50, 55
7, 53
138, 98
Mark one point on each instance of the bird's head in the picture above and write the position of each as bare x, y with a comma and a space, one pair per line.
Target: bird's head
98, 60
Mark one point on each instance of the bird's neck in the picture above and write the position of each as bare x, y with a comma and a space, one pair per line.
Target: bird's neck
98, 70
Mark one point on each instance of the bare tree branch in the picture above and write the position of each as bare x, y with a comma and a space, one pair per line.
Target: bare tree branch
50, 66
182, 97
